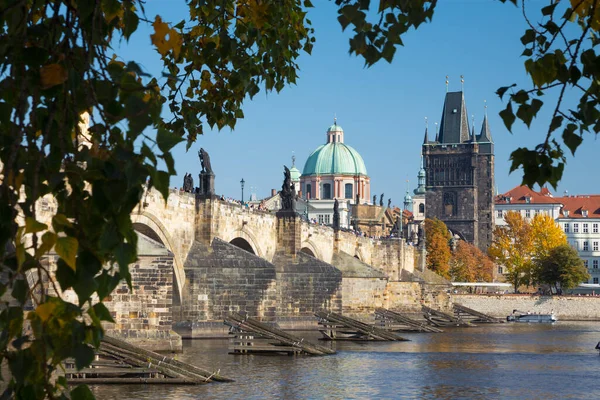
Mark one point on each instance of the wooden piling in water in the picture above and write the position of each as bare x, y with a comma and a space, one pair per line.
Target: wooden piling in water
252, 336
439, 318
338, 327
395, 321
470, 315
120, 362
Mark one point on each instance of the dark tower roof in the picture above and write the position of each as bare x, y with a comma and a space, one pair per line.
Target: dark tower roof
454, 126
425, 139
485, 136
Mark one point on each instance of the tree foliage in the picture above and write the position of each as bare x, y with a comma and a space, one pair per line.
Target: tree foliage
562, 268
512, 248
57, 65
438, 248
560, 57
547, 235
522, 244
469, 264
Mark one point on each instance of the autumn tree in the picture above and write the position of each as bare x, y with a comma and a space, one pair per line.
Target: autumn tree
562, 268
512, 248
547, 235
438, 247
469, 264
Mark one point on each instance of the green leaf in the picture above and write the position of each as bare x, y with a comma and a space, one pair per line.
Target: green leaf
102, 312
130, 21
166, 139
66, 248
500, 92
84, 355
65, 275
528, 37
508, 117
33, 226
48, 241
19, 291
160, 180
548, 10
571, 139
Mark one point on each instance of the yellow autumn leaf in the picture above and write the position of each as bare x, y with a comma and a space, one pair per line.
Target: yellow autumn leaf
44, 311
52, 75
583, 8
160, 40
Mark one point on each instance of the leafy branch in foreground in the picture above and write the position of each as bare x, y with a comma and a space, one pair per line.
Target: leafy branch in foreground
70, 189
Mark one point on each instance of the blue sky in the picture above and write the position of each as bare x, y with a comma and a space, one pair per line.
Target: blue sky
381, 109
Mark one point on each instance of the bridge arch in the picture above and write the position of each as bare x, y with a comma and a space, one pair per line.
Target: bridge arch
246, 236
151, 226
242, 244
311, 249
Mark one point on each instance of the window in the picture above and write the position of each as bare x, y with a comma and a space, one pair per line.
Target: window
327, 219
499, 214
595, 246
537, 212
595, 264
585, 213
320, 218
421, 208
595, 228
308, 191
596, 280
527, 213
500, 270
566, 227
348, 190
326, 191
575, 228
585, 228
585, 246
585, 263
576, 245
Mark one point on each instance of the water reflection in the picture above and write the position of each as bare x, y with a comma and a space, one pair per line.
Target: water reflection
494, 361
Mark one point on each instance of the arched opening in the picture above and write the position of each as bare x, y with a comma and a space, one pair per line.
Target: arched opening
356, 256
147, 231
308, 251
243, 244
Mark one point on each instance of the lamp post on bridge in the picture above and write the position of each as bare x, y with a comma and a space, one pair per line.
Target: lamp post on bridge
242, 182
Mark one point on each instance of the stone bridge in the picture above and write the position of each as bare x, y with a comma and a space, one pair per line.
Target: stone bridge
186, 218
200, 258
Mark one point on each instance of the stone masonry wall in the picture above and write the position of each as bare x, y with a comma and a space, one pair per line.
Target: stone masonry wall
573, 308
224, 278
305, 285
143, 316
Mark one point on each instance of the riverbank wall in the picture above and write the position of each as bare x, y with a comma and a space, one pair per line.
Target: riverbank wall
566, 308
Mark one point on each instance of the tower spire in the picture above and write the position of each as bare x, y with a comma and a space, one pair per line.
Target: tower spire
473, 137
485, 135
446, 83
437, 132
426, 138
462, 83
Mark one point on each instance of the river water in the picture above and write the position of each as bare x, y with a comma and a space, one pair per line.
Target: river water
503, 361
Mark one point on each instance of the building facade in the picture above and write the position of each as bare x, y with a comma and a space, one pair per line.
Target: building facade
459, 174
577, 215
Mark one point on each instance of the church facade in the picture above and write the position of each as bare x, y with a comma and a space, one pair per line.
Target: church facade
459, 174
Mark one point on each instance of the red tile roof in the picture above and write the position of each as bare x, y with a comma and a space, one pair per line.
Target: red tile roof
575, 204
579, 203
519, 194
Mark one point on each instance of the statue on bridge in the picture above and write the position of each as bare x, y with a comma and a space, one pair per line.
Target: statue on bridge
336, 215
188, 183
381, 200
389, 203
206, 176
205, 161
288, 191
374, 199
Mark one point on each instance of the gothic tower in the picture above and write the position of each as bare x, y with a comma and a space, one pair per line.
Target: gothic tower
459, 168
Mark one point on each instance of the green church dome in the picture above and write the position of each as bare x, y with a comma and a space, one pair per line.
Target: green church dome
334, 159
